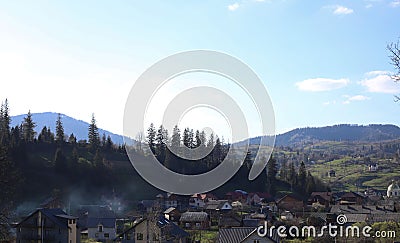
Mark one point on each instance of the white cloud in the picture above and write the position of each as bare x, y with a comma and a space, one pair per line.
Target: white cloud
380, 82
395, 3
342, 10
376, 73
321, 84
355, 98
233, 7
368, 5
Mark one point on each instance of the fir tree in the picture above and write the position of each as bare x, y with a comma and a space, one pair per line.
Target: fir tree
176, 138
59, 130
302, 176
93, 134
29, 128
151, 137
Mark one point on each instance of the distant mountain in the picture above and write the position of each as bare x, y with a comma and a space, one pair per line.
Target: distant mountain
71, 125
343, 132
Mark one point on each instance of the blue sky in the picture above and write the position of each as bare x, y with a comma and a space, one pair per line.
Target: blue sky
323, 62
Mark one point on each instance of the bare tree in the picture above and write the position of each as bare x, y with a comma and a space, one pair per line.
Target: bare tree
394, 55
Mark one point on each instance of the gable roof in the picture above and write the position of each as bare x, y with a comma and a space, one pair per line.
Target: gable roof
173, 229
360, 209
162, 222
194, 217
91, 216
216, 204
353, 194
287, 196
230, 235
239, 234
56, 215
327, 196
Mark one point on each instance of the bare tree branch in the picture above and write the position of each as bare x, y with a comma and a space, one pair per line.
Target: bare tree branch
394, 55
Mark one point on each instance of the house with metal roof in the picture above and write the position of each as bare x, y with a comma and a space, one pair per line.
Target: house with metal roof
97, 222
48, 225
195, 220
158, 229
244, 235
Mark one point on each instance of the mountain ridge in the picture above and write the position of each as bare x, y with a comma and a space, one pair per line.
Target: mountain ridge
71, 125
340, 132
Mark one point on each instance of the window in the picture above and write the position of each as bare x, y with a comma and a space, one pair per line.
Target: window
139, 236
198, 225
106, 235
100, 228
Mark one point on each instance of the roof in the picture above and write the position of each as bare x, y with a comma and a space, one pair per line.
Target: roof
56, 215
203, 196
169, 210
361, 209
95, 222
237, 235
356, 217
97, 211
230, 220
194, 217
353, 194
264, 195
327, 196
173, 229
250, 222
91, 216
289, 196
215, 204
162, 222
231, 235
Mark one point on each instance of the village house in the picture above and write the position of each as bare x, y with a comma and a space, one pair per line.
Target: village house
97, 222
290, 203
167, 200
218, 206
195, 220
199, 200
48, 225
238, 195
352, 198
153, 230
323, 198
368, 214
255, 198
372, 167
393, 190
